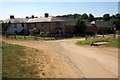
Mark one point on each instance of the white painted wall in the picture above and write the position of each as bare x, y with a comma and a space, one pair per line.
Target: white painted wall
16, 27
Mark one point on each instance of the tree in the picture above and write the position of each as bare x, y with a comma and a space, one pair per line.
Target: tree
91, 18
117, 16
5, 27
80, 26
106, 17
113, 16
116, 22
76, 15
98, 18
85, 16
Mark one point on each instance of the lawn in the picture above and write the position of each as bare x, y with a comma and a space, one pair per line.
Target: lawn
111, 42
15, 63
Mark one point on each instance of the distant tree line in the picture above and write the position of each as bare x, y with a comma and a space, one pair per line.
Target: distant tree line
115, 19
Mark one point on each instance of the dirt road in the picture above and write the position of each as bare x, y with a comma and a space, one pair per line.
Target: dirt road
79, 61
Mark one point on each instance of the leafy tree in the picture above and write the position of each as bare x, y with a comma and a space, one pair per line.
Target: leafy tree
116, 21
98, 18
80, 26
76, 15
117, 16
85, 16
5, 27
113, 16
91, 18
70, 15
106, 17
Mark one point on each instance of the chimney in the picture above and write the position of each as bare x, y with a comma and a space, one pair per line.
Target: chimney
46, 15
11, 16
32, 17
27, 17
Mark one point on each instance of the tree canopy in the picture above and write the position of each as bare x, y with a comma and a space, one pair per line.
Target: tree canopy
106, 17
80, 26
91, 18
85, 16
115, 19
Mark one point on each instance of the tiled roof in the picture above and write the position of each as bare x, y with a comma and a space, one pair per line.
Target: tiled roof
71, 21
44, 19
41, 19
16, 20
104, 24
68, 21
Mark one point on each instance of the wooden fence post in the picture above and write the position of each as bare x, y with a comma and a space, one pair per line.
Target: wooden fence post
15, 36
51, 36
35, 37
114, 36
6, 36
24, 37
44, 36
86, 37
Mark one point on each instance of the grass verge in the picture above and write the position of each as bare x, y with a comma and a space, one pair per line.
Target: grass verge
111, 42
30, 37
15, 63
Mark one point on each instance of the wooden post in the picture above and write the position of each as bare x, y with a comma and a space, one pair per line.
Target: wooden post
6, 36
15, 36
44, 36
86, 37
24, 37
95, 35
114, 36
51, 36
103, 36
35, 37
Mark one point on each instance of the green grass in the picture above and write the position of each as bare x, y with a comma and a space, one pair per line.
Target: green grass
30, 37
111, 42
14, 65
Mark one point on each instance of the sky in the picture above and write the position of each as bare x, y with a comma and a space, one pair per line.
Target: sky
23, 9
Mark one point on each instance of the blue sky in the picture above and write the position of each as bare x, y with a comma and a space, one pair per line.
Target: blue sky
23, 9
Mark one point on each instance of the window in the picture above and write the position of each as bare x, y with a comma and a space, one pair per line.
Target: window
42, 24
15, 25
22, 24
57, 24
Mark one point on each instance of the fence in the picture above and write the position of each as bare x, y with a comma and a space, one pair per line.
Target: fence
43, 37
111, 36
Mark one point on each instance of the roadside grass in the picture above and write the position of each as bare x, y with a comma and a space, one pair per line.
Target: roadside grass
14, 62
21, 37
111, 42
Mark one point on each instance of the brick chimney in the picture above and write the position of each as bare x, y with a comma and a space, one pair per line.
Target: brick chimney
32, 17
11, 16
46, 15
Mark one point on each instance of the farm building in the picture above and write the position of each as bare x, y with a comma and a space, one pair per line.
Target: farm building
92, 27
47, 24
52, 25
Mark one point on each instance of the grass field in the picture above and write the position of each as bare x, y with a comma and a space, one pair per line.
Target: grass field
15, 62
111, 42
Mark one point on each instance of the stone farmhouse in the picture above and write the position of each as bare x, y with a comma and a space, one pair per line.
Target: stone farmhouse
53, 25
47, 24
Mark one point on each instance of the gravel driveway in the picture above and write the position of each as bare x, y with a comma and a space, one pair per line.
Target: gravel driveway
79, 61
